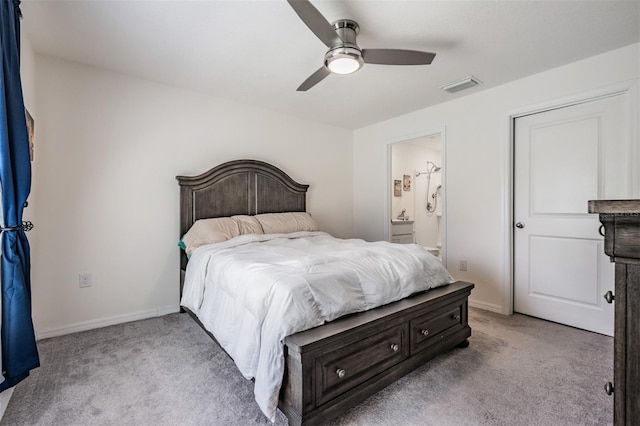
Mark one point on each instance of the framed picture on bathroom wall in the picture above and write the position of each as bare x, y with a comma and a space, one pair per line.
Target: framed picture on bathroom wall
406, 182
397, 188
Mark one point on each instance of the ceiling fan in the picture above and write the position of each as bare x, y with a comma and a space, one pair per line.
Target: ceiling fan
344, 56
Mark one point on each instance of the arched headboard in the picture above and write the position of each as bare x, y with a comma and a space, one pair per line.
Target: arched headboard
240, 187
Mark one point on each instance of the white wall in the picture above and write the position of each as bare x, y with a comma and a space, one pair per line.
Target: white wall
108, 149
477, 163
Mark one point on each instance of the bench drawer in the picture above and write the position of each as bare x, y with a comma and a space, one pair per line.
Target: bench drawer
355, 362
432, 327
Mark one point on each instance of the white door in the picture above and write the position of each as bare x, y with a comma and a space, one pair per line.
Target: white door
563, 158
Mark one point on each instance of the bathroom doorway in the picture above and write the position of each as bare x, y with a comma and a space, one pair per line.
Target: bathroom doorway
417, 193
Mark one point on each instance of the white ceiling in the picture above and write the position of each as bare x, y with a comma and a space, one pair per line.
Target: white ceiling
259, 52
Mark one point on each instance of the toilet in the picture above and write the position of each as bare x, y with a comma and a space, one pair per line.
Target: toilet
434, 251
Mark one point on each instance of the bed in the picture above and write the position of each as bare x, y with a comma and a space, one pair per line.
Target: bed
339, 358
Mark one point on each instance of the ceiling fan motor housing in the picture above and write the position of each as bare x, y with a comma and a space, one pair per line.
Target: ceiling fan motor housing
347, 30
346, 57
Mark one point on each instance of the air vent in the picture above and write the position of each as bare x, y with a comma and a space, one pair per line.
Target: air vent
459, 85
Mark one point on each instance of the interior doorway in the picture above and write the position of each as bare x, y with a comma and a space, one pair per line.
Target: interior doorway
562, 158
417, 206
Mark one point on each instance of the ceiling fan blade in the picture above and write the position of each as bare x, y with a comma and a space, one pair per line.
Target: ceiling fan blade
316, 22
314, 79
396, 57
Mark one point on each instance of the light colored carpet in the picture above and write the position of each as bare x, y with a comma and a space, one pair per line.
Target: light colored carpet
166, 371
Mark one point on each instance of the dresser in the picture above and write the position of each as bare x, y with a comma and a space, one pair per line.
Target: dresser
621, 229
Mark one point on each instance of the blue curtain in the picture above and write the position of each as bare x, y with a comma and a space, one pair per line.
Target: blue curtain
19, 351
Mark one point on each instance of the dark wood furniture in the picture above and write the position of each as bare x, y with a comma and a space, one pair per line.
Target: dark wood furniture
330, 368
241, 187
621, 224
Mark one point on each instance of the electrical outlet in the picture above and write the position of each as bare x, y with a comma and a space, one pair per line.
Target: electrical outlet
463, 265
85, 279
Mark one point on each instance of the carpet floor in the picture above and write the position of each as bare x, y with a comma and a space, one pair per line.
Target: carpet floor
517, 370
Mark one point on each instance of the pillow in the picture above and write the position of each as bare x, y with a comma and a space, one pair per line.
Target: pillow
284, 223
207, 231
248, 224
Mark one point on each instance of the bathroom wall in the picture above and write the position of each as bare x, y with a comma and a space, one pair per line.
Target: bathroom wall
402, 164
407, 158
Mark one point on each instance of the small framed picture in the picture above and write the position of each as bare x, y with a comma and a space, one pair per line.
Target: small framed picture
397, 188
406, 185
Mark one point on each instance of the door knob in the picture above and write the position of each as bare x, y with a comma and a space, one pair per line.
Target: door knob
519, 225
609, 297
608, 388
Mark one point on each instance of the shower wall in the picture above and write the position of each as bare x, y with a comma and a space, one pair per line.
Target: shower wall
407, 158
427, 224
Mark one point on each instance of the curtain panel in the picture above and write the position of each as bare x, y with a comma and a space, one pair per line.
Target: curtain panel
19, 351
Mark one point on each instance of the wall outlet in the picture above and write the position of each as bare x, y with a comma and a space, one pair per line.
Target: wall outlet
85, 279
463, 265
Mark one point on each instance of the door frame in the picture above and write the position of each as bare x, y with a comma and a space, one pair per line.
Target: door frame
630, 88
389, 185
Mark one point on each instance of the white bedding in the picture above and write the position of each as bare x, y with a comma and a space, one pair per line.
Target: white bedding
252, 291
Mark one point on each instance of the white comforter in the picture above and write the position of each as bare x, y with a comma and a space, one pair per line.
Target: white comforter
254, 290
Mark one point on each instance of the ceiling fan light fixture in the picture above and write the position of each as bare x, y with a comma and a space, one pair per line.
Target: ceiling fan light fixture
343, 60
344, 55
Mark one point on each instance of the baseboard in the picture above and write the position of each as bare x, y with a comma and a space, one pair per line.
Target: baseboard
485, 306
5, 397
104, 322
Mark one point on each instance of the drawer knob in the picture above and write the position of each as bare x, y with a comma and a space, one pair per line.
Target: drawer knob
341, 373
609, 297
395, 347
425, 332
455, 316
608, 388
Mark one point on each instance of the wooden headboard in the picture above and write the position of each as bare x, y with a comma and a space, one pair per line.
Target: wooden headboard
246, 187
